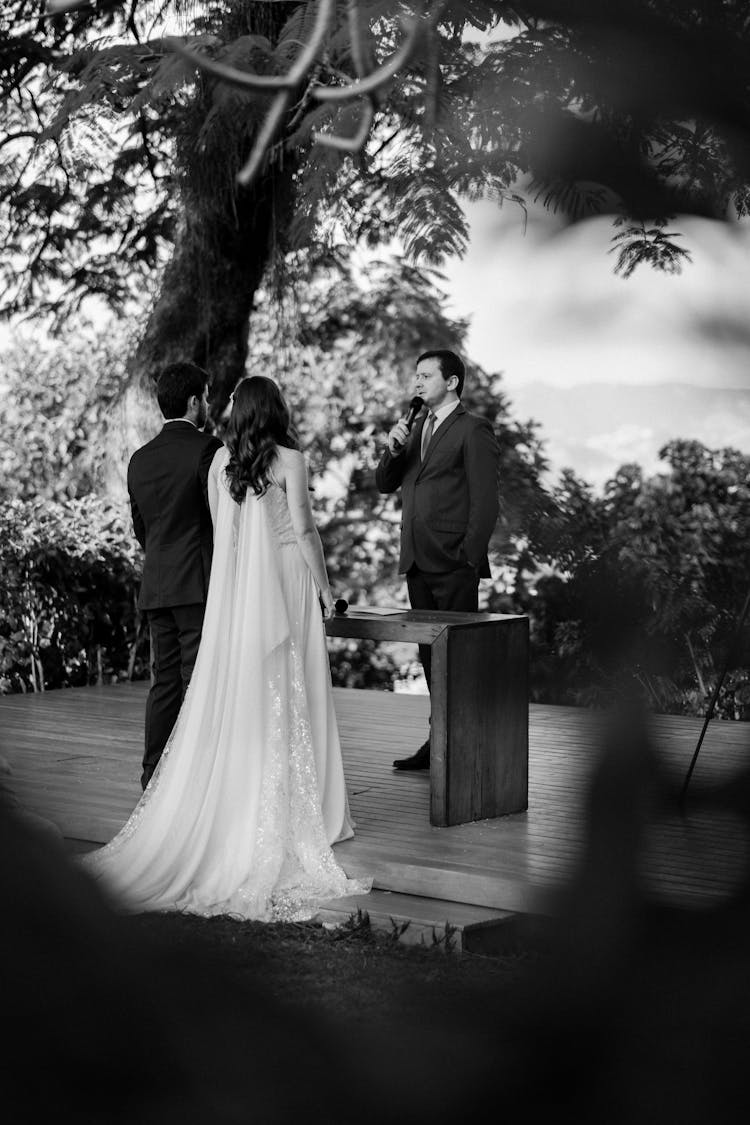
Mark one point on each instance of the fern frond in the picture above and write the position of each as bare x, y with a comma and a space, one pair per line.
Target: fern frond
297, 31
654, 246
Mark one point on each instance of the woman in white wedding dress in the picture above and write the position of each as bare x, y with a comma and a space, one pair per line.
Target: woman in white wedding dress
249, 793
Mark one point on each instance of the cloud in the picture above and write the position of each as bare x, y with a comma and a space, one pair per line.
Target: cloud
626, 443
547, 305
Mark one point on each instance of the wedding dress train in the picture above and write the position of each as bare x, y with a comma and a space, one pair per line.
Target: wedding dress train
249, 793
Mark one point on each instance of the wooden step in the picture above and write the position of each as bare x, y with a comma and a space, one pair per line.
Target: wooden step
412, 919
456, 884
416, 920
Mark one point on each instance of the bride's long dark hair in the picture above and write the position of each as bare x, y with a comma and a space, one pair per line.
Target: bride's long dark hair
258, 424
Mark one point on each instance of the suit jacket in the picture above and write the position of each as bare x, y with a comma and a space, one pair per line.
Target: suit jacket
167, 484
449, 500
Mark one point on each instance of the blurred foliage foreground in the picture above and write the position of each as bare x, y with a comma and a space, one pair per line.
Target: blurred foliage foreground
641, 585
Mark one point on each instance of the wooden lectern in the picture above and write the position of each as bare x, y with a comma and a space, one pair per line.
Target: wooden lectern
479, 759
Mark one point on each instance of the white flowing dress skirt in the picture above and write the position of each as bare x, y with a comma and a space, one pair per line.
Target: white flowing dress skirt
249, 793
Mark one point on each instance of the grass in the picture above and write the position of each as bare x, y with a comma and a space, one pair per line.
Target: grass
405, 1031
351, 973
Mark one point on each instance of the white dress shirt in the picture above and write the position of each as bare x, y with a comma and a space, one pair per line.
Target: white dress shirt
443, 411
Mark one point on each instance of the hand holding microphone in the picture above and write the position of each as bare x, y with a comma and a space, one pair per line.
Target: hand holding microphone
399, 435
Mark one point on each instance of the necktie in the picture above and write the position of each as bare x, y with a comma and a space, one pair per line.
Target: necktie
427, 429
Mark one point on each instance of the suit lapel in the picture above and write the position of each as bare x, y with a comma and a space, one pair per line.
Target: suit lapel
438, 435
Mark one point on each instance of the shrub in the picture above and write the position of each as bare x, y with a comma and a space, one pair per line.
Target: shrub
69, 613
372, 664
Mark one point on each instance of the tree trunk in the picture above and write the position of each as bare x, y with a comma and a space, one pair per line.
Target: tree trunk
209, 286
226, 238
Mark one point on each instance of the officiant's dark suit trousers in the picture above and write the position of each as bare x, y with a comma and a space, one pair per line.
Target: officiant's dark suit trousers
456, 590
175, 637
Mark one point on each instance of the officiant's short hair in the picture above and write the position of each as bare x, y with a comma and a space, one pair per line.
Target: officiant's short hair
176, 384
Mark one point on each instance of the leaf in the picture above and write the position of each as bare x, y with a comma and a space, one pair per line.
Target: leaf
297, 31
172, 74
655, 247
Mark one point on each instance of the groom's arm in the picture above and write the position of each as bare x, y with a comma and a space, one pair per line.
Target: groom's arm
139, 526
204, 465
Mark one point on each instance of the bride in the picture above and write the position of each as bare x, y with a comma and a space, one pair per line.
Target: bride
249, 793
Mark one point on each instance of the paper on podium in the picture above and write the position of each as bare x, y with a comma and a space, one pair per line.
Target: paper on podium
379, 610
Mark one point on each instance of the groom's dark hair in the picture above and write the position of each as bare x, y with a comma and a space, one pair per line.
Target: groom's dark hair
450, 364
175, 386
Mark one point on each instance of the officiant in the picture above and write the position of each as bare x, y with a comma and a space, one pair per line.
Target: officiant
446, 466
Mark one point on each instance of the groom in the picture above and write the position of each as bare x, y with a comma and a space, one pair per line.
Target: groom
447, 470
167, 483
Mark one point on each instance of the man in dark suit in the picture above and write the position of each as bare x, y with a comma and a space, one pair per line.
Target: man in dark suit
167, 483
446, 468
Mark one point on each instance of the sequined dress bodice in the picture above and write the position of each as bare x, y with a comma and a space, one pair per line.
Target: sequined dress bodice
277, 512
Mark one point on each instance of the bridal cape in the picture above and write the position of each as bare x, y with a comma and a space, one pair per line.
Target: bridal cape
249, 793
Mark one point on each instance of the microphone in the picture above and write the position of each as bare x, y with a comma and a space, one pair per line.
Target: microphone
415, 406
340, 606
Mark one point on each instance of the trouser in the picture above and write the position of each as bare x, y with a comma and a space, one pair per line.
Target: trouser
175, 636
457, 590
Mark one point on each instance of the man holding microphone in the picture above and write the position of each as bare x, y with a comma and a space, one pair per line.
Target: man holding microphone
447, 469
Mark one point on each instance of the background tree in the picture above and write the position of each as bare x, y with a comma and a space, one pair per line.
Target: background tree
643, 582
647, 584
125, 174
342, 344
122, 157
56, 396
69, 560
343, 347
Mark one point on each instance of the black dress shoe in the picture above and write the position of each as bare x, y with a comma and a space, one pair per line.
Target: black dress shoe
418, 761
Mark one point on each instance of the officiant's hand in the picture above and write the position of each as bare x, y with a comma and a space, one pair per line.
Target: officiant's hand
398, 437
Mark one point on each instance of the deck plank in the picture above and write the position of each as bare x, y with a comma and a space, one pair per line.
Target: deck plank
74, 757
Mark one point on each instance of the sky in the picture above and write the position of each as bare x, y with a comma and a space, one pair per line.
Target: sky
546, 306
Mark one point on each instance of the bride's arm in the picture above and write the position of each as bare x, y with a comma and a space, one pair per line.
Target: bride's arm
298, 499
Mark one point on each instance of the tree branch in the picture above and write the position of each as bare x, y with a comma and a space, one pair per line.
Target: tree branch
353, 143
243, 78
377, 78
364, 86
266, 136
15, 136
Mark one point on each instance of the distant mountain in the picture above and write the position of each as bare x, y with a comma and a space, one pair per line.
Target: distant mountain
595, 428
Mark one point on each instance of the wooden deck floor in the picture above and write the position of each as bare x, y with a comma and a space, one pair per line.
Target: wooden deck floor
74, 757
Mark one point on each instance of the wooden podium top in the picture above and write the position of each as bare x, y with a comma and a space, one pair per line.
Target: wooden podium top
420, 626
